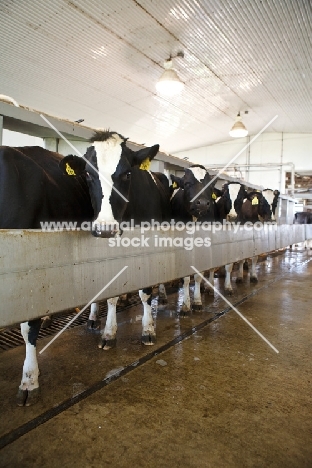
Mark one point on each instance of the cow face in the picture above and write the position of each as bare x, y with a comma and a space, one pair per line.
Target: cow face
236, 195
271, 197
107, 167
255, 208
198, 191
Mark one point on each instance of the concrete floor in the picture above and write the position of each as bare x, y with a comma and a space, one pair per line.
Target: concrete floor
220, 398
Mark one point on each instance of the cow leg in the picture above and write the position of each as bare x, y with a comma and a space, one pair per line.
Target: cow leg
162, 295
108, 339
186, 305
28, 391
148, 330
124, 300
94, 322
253, 273
209, 289
197, 304
46, 321
240, 274
227, 283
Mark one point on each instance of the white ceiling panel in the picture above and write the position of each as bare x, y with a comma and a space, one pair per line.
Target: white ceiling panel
100, 61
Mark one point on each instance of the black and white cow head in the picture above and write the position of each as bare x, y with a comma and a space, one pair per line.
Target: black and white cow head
195, 193
107, 167
271, 197
234, 194
255, 207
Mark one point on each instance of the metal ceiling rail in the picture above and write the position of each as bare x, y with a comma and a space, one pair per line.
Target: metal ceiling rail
46, 272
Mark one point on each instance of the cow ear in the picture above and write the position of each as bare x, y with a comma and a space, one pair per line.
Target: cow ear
208, 179
72, 165
177, 182
144, 154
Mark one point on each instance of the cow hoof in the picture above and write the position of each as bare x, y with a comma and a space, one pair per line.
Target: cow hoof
197, 307
185, 311
46, 322
253, 279
21, 397
229, 292
32, 397
94, 324
27, 397
105, 234
107, 343
148, 340
239, 280
162, 301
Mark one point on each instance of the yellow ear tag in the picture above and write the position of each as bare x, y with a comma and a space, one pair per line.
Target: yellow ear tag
145, 165
175, 185
255, 201
214, 196
69, 170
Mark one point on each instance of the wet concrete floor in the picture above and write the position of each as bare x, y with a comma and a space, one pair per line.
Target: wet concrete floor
220, 398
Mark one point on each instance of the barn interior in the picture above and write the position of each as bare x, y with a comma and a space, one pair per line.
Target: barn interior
213, 391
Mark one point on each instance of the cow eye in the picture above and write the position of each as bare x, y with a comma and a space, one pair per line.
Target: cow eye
126, 176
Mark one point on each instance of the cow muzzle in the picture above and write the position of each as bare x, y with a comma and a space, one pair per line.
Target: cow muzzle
199, 207
105, 230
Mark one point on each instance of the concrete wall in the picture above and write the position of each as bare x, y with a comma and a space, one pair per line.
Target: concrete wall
20, 139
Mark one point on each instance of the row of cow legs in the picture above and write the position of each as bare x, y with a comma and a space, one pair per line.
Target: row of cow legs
197, 303
108, 338
28, 390
29, 387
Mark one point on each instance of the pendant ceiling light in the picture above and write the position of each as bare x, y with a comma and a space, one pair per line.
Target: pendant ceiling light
238, 130
169, 84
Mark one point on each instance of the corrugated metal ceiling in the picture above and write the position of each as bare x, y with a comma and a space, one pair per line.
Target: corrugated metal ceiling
100, 60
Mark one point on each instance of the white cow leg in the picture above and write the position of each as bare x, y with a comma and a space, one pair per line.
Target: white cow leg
227, 283
186, 305
28, 391
209, 289
253, 273
148, 330
94, 322
240, 274
197, 304
162, 295
108, 339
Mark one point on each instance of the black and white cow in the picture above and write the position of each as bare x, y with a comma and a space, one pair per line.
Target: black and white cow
196, 182
148, 198
238, 205
33, 190
271, 197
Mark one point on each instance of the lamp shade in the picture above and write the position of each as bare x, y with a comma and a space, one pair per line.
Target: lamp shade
169, 83
238, 130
